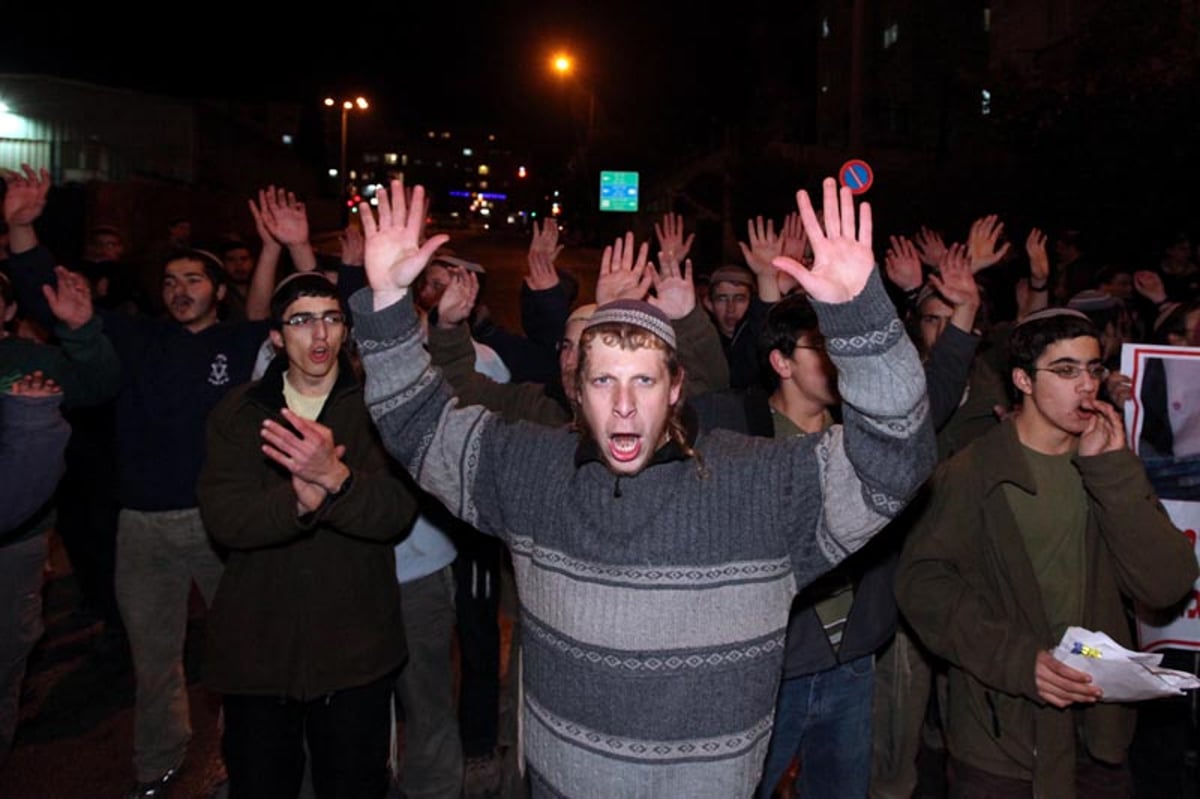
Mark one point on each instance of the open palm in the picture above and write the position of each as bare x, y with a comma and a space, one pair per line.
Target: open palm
842, 257
393, 253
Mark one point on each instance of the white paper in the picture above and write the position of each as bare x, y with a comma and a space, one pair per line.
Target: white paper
1122, 674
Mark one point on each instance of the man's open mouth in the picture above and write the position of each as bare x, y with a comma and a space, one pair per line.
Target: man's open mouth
624, 447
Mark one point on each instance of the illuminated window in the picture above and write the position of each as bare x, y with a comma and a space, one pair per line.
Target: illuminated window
468, 152
431, 134
825, 27
483, 169
287, 138
987, 19
389, 158
985, 103
483, 184
445, 134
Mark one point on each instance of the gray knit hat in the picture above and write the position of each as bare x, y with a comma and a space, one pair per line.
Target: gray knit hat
636, 313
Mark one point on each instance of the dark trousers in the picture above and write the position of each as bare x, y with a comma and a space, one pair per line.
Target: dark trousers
348, 735
88, 509
1092, 779
477, 572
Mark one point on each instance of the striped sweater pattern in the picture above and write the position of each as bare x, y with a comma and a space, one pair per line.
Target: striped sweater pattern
654, 607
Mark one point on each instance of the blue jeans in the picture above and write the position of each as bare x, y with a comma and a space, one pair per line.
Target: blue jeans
825, 720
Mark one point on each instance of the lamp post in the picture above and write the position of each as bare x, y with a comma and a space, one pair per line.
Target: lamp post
564, 65
361, 104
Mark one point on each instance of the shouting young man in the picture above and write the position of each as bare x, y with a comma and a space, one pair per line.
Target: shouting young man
655, 568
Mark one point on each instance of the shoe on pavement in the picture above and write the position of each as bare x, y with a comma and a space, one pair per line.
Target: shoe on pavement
156, 788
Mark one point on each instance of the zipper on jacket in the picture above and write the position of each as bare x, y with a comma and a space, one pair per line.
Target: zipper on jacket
995, 717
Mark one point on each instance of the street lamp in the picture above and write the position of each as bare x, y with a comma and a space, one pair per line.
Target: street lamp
361, 104
564, 65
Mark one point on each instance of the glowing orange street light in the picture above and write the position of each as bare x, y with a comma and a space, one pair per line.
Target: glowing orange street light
562, 63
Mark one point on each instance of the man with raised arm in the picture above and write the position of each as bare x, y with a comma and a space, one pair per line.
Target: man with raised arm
655, 568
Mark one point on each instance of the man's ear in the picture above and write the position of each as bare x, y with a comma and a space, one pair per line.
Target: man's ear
677, 387
781, 365
706, 302
221, 293
276, 339
1022, 381
10, 312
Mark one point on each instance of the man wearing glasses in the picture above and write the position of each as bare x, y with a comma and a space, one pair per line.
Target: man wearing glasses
1045, 522
305, 632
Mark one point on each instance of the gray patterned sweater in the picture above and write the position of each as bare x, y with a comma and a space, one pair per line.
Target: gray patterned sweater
654, 615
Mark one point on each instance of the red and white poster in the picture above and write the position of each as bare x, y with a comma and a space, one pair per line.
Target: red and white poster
1162, 420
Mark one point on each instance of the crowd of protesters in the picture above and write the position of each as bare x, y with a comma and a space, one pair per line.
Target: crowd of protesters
777, 526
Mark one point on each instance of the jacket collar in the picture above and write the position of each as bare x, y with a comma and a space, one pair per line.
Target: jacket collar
1001, 459
269, 389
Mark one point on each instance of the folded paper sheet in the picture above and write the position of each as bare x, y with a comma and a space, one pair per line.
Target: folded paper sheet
1123, 675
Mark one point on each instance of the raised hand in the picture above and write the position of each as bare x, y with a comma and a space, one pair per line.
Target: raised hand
930, 246
764, 245
351, 240
1060, 685
70, 299
671, 243
25, 198
1039, 262
981, 242
1104, 431
955, 279
795, 240
903, 264
842, 257
622, 277
282, 216
311, 455
394, 254
35, 384
674, 293
458, 299
1150, 285
543, 251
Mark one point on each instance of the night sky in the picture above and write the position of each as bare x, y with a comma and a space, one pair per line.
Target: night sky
1122, 122
441, 62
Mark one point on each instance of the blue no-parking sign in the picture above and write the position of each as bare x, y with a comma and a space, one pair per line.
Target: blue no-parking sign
856, 175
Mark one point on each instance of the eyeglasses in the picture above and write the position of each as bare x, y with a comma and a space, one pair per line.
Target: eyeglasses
331, 318
815, 344
1066, 371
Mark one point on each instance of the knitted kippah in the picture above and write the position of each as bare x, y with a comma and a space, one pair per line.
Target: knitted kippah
636, 313
732, 274
1050, 313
